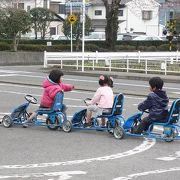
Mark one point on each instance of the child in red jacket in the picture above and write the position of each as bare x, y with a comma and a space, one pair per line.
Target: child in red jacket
52, 85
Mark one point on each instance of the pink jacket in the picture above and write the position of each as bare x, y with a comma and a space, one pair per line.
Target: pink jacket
103, 97
50, 91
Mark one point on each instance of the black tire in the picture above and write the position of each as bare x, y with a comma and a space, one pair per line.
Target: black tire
109, 128
118, 131
52, 126
67, 126
7, 121
170, 138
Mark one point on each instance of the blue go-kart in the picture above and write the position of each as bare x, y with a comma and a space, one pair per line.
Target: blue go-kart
54, 117
167, 131
113, 119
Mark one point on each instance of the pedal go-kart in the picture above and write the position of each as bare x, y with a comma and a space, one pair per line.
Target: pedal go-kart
54, 117
113, 118
169, 130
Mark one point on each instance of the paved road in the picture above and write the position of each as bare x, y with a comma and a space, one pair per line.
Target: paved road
38, 153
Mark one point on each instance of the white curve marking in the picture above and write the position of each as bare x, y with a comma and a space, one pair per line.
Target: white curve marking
147, 144
136, 175
62, 175
173, 157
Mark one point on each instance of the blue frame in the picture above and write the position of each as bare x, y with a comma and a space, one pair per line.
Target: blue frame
170, 128
20, 114
78, 118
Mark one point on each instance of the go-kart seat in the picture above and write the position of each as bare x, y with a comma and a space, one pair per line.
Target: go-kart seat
17, 113
117, 106
57, 105
173, 114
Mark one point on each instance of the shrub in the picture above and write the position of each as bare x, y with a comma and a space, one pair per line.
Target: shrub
4, 46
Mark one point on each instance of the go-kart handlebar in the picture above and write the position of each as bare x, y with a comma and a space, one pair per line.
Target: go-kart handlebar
31, 99
87, 100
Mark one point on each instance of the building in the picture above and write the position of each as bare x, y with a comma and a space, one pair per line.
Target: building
135, 16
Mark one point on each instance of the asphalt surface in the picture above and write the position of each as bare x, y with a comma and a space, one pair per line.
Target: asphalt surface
125, 87
36, 153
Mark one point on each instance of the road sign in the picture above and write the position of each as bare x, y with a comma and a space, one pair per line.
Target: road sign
72, 19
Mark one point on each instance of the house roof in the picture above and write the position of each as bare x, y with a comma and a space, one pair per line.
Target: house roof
100, 2
59, 17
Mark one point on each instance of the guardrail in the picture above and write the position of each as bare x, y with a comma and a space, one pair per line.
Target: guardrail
166, 62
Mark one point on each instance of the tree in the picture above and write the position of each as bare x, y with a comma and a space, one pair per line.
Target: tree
76, 29
14, 22
41, 19
112, 7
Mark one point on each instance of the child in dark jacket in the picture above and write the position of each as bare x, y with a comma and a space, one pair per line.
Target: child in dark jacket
156, 103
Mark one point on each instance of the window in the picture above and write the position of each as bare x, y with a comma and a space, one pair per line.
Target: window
28, 8
62, 9
146, 15
171, 15
98, 12
52, 31
120, 13
20, 5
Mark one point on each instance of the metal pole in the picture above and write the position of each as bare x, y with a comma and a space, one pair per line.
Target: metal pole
71, 26
83, 34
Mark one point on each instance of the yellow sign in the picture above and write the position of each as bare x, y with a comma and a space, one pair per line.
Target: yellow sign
72, 19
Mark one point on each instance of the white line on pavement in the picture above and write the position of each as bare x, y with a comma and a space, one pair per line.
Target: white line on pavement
136, 175
146, 145
61, 175
175, 156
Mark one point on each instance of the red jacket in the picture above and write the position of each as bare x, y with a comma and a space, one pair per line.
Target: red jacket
50, 91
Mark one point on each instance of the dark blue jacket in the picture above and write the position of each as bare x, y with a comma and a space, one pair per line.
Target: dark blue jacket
157, 105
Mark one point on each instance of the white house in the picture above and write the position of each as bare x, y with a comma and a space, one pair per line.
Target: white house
137, 16
55, 5
140, 16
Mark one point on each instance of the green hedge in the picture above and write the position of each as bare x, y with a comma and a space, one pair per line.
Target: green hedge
41, 45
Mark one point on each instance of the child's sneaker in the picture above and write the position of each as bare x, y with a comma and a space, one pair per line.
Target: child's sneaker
24, 123
87, 125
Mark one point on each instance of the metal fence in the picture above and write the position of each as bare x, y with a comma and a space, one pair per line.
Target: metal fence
156, 62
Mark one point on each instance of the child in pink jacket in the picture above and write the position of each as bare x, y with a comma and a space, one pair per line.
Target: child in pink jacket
102, 99
52, 85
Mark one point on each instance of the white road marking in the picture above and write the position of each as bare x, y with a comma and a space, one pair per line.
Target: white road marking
136, 175
146, 145
61, 175
90, 81
175, 156
14, 71
1, 75
176, 92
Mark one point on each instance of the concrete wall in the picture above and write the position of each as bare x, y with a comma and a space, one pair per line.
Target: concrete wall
21, 58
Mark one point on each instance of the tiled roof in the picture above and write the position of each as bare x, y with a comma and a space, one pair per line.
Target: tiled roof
100, 2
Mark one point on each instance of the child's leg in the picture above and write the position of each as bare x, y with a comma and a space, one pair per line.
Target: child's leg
64, 108
32, 116
90, 110
89, 115
103, 121
142, 126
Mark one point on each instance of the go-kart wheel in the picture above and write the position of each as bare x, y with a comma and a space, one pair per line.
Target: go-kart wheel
169, 138
7, 121
67, 126
109, 128
30, 99
118, 132
52, 126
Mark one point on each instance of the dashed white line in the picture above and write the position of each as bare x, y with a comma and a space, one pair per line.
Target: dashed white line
147, 144
136, 175
61, 175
